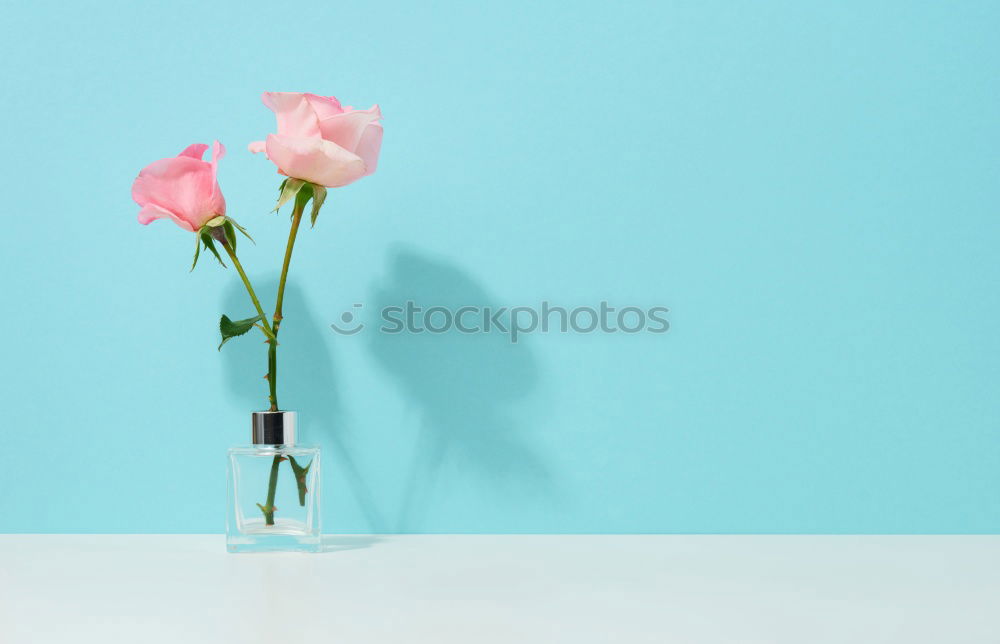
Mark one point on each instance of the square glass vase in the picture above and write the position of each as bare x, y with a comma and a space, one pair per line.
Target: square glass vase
273, 499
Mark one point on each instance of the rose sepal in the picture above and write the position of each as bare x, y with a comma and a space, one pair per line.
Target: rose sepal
302, 191
222, 229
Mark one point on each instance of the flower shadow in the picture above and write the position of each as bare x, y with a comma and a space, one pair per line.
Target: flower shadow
469, 389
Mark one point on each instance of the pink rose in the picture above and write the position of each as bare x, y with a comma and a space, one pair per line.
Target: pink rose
183, 188
319, 141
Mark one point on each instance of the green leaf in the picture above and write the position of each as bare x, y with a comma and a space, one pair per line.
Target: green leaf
215, 222
319, 196
197, 250
241, 229
230, 329
227, 227
289, 188
206, 239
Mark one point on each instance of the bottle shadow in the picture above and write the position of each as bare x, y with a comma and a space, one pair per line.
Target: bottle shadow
468, 388
306, 380
342, 542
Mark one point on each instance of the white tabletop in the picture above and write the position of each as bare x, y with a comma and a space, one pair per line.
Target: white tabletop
474, 589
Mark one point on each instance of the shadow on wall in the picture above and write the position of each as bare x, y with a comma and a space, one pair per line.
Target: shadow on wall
466, 387
306, 378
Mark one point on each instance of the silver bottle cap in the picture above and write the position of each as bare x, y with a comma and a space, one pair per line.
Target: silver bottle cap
272, 428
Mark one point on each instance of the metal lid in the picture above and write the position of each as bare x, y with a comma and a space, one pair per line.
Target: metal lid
272, 428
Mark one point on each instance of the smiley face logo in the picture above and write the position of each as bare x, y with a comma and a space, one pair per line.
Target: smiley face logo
348, 318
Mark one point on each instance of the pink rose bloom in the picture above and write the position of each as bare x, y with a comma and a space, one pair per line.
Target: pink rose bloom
183, 188
319, 141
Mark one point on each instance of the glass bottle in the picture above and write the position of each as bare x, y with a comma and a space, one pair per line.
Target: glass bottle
274, 488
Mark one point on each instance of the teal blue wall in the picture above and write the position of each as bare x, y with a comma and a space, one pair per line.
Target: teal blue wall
812, 188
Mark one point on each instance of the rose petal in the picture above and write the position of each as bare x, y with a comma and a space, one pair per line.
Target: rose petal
218, 202
314, 159
369, 147
150, 213
346, 129
257, 146
324, 106
195, 151
218, 151
182, 186
295, 116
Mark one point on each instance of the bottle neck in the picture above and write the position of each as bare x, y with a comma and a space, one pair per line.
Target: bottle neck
272, 428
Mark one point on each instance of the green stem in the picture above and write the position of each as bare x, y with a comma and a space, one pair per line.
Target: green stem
272, 354
263, 320
300, 477
272, 359
246, 282
272, 485
272, 371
